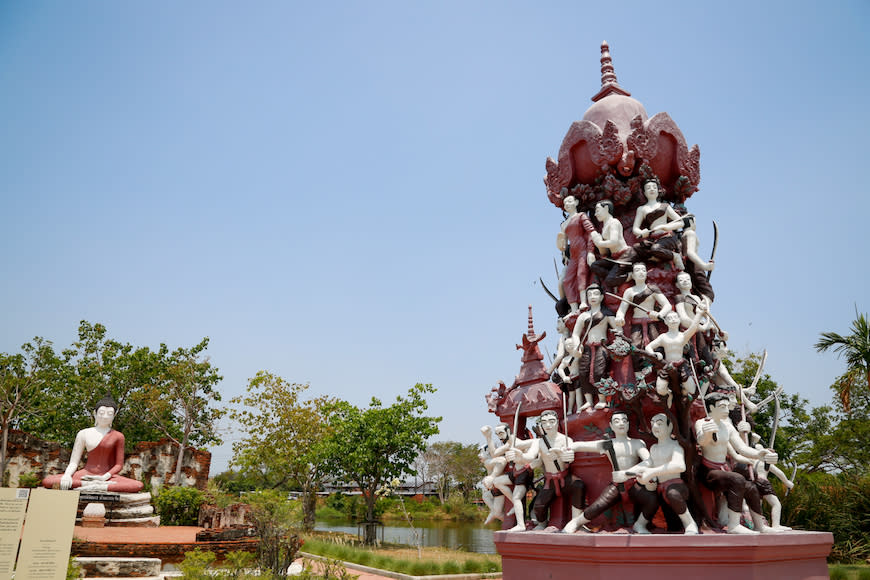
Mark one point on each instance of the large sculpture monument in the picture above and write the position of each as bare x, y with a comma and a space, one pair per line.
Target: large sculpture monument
100, 480
642, 457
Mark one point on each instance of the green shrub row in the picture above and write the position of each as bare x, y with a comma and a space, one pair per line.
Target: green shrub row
841, 572
200, 565
366, 557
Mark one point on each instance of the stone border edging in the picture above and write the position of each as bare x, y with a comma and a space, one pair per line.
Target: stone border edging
399, 575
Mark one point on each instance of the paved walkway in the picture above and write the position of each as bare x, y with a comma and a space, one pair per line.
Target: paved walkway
123, 535
165, 535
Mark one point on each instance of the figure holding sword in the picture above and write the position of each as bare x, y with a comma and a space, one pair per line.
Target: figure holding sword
717, 437
672, 342
624, 453
590, 334
616, 256
662, 471
654, 225
644, 300
518, 475
762, 472
696, 267
553, 450
686, 303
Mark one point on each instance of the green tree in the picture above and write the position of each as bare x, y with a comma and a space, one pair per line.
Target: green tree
233, 482
819, 439
453, 465
373, 446
178, 403
467, 469
159, 394
91, 367
436, 458
23, 377
793, 416
284, 437
834, 440
855, 348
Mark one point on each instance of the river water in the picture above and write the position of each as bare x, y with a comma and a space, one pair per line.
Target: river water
454, 535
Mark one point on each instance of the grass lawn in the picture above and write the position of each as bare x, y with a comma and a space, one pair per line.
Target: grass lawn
849, 571
400, 558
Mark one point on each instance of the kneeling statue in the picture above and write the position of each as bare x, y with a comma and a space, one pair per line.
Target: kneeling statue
105, 447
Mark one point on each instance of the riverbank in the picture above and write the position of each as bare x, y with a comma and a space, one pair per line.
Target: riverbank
405, 559
454, 535
368, 573
400, 509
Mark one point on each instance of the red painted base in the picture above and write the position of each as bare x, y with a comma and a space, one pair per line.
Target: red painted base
711, 556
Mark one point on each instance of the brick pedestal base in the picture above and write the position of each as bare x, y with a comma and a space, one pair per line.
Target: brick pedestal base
93, 521
711, 556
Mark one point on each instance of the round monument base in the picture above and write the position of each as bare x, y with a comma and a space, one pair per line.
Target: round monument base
711, 556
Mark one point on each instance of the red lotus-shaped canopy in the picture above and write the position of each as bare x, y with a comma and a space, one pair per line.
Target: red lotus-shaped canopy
615, 145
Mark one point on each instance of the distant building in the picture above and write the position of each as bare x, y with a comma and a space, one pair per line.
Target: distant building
407, 488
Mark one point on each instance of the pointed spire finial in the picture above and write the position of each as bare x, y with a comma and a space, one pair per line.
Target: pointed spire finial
609, 84
531, 333
608, 76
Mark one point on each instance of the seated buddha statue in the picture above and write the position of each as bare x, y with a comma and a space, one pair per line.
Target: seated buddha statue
105, 449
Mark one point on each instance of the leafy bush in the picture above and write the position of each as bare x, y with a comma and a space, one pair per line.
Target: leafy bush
73, 570
238, 562
28, 480
353, 507
196, 564
839, 504
337, 501
179, 506
460, 509
328, 570
199, 565
217, 496
275, 525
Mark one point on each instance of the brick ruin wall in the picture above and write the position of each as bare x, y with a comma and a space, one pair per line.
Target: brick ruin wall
149, 462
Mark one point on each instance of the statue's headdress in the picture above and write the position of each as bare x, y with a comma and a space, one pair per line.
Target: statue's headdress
107, 401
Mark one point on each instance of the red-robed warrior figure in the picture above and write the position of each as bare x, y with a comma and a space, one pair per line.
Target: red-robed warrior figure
573, 241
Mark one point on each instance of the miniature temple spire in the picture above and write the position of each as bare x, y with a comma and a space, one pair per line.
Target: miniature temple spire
533, 369
608, 76
531, 333
609, 84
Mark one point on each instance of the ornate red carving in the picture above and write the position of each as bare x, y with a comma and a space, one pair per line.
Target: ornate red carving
640, 141
553, 180
611, 146
617, 191
615, 138
690, 166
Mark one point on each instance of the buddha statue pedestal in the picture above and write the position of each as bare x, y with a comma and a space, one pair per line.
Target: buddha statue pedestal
94, 515
119, 509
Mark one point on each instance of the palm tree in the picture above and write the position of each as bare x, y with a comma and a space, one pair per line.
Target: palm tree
855, 347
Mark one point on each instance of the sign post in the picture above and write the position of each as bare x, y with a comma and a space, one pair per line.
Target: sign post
47, 536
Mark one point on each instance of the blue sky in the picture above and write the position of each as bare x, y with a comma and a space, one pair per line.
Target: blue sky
349, 194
